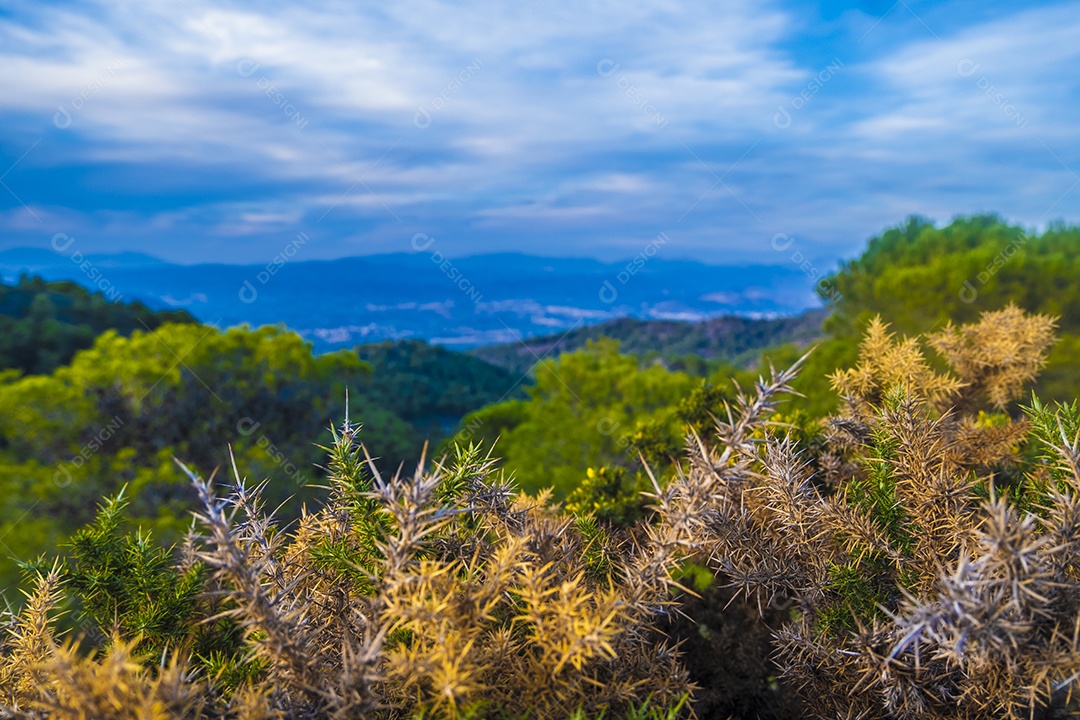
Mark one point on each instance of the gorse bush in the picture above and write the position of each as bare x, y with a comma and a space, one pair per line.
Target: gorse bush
918, 552
933, 568
441, 595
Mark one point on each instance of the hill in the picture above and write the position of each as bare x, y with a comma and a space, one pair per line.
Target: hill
431, 387
730, 338
43, 324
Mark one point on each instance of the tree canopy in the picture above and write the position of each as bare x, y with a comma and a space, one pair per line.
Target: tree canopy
43, 324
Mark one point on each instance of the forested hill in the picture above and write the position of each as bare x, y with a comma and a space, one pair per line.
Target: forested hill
729, 338
43, 324
422, 382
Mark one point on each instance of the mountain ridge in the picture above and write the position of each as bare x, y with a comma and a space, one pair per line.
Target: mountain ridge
460, 303
731, 338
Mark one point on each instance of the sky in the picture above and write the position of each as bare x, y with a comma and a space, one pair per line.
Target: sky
741, 132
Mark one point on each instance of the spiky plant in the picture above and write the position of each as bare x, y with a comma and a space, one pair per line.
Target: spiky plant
443, 594
928, 540
28, 642
933, 568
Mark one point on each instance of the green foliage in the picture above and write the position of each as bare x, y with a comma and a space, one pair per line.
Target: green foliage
874, 492
124, 408
611, 494
695, 576
595, 554
700, 408
646, 710
43, 324
418, 393
431, 387
126, 579
353, 554
127, 583
1052, 426
918, 277
592, 408
858, 592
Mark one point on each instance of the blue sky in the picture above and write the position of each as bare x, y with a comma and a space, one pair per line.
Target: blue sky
217, 131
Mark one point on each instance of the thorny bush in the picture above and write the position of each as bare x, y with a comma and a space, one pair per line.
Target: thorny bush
926, 540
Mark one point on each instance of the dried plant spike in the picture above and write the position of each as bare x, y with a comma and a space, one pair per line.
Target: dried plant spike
30, 642
999, 355
885, 363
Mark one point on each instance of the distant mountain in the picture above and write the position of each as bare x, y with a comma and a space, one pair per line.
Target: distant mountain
38, 260
459, 302
728, 338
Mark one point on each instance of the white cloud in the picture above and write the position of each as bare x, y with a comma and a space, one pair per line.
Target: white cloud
509, 77
984, 81
256, 117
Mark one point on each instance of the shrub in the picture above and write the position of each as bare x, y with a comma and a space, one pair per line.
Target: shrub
918, 555
934, 570
441, 595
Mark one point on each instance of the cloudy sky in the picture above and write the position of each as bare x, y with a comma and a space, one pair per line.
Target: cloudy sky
218, 131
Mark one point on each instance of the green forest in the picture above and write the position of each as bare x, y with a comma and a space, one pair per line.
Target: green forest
43, 325
867, 509
137, 397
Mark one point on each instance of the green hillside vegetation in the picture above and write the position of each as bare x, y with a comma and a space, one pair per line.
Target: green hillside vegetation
119, 413
590, 418
920, 277
43, 324
730, 339
432, 388
582, 411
